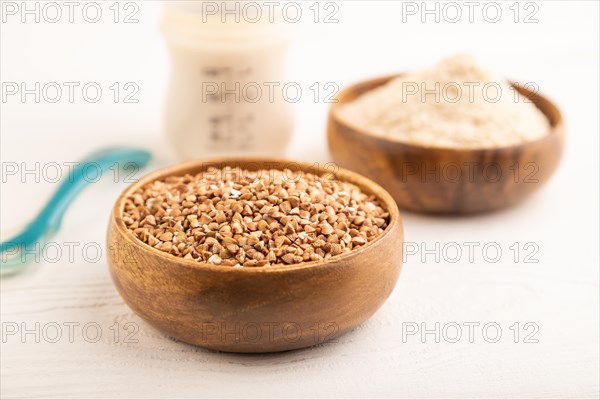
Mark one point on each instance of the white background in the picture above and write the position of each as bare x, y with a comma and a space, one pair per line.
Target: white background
559, 294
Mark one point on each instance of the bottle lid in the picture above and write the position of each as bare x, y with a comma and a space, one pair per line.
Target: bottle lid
239, 20
242, 12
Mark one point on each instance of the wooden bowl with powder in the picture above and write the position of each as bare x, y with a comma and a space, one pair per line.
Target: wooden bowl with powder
230, 263
444, 179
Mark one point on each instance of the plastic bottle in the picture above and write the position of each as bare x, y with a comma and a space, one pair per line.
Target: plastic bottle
227, 73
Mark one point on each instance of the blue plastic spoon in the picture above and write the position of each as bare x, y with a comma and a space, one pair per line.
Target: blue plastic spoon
22, 248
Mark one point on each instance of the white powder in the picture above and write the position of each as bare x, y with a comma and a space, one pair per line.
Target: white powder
455, 104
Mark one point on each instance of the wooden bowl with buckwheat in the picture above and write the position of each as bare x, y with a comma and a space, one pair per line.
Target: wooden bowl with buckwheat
262, 308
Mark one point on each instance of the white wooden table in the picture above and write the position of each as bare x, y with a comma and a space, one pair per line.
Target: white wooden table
528, 329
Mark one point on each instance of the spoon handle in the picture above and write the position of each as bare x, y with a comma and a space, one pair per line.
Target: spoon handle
95, 165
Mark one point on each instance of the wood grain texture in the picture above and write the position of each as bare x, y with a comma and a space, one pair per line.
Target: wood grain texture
442, 180
265, 309
372, 361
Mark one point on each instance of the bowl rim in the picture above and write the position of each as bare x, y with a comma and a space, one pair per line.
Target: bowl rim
556, 128
350, 176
